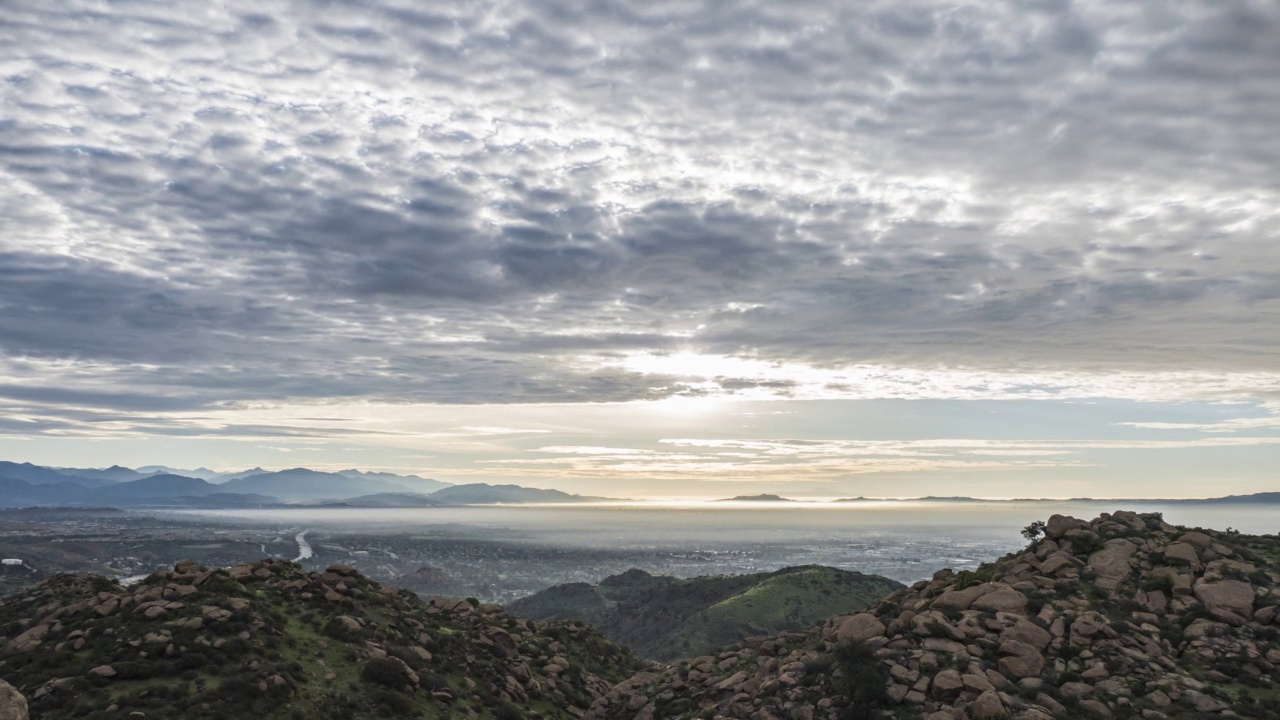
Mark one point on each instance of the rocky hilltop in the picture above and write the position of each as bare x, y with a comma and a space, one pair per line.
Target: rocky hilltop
1123, 616
663, 618
270, 640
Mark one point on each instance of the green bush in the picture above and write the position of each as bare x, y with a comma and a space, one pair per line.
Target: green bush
862, 678
1086, 544
968, 578
385, 671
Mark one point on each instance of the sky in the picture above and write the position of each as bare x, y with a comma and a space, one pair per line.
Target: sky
654, 249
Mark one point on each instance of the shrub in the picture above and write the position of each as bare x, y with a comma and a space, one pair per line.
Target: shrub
862, 679
385, 671
508, 711
1158, 581
968, 578
1086, 544
398, 704
1033, 531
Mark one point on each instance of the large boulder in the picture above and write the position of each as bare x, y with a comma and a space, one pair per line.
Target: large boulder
13, 706
948, 682
1113, 563
1058, 526
1234, 596
962, 599
1028, 633
28, 640
1020, 660
862, 626
1057, 562
987, 706
1005, 600
1181, 554
1198, 539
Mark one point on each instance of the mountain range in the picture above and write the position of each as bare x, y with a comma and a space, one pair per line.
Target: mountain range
26, 485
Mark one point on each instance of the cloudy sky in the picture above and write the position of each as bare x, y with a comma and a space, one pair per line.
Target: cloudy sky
649, 249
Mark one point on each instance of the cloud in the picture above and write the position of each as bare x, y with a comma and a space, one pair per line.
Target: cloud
803, 462
499, 202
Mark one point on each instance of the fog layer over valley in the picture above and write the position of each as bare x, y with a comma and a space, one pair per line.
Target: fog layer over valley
506, 552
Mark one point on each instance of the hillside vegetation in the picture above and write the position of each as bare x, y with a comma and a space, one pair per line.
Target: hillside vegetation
1121, 617
665, 618
268, 640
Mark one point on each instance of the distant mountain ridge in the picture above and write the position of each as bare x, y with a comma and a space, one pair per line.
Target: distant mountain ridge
28, 485
485, 494
1262, 497
757, 498
40, 475
387, 500
305, 485
415, 483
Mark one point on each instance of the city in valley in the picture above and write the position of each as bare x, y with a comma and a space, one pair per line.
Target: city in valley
497, 564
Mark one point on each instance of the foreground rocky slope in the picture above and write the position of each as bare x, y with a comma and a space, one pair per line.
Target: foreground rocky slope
664, 617
1124, 616
270, 640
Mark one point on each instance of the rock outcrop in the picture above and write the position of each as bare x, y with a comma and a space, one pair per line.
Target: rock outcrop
1123, 616
13, 706
271, 640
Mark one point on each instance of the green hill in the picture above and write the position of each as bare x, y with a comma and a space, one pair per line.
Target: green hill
664, 617
269, 640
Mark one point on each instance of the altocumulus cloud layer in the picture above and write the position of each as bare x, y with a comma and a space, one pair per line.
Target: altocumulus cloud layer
222, 204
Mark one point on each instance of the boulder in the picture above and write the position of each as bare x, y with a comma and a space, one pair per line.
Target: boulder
28, 640
1202, 628
1202, 703
962, 599
948, 682
862, 626
106, 608
1198, 539
1058, 525
732, 681
1050, 704
1056, 562
1234, 596
977, 683
1006, 600
1027, 632
105, 671
1113, 563
988, 705
13, 706
1181, 554
1020, 660
1096, 708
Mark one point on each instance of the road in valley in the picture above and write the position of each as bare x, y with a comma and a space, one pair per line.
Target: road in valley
304, 547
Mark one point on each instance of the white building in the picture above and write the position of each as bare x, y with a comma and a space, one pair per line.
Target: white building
10, 561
